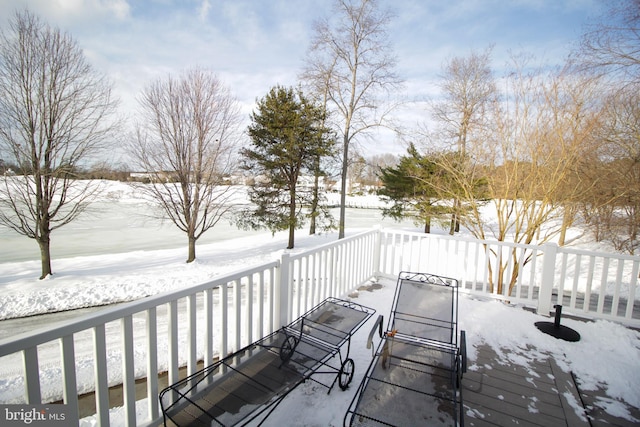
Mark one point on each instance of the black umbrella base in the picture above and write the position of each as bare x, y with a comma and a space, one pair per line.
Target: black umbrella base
561, 332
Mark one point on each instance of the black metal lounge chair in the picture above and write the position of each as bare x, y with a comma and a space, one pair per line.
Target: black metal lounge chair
414, 377
246, 386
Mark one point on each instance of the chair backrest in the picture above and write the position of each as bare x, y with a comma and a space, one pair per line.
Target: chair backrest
425, 307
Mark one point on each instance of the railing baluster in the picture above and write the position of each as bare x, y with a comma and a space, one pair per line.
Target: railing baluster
576, 280
487, 262
69, 379
632, 290
237, 296
532, 276
272, 300
172, 317
347, 271
224, 321
563, 271
100, 368
464, 271
394, 266
32, 374
192, 346
261, 303
476, 264
295, 290
128, 373
315, 293
208, 326
322, 271
249, 310
587, 294
603, 285
152, 362
616, 291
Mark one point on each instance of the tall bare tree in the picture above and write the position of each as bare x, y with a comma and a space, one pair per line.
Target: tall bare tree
543, 126
351, 55
185, 142
54, 116
468, 91
318, 87
526, 160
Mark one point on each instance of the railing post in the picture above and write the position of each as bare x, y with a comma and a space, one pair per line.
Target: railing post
377, 250
282, 293
550, 251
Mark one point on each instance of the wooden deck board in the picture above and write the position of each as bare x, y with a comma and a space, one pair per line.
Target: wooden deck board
599, 417
540, 394
501, 397
500, 394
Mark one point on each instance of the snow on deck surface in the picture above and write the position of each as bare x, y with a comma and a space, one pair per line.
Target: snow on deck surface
517, 375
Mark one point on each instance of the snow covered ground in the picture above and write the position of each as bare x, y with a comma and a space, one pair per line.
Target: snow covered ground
96, 276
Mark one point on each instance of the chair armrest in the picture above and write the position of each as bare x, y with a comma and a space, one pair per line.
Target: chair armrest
377, 324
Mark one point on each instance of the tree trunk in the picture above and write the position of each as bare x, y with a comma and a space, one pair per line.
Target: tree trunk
343, 187
427, 225
452, 225
314, 201
292, 232
567, 221
45, 255
563, 235
292, 217
192, 249
455, 220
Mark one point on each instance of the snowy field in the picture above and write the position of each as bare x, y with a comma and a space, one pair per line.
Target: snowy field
105, 260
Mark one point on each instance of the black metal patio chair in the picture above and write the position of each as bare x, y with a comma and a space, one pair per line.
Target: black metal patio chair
414, 377
246, 386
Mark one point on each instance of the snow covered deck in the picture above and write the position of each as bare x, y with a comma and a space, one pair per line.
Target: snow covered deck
538, 394
517, 376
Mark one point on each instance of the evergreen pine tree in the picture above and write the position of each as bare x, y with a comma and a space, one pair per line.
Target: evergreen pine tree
287, 137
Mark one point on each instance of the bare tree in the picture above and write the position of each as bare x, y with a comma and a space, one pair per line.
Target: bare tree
539, 133
54, 115
185, 142
468, 91
352, 56
613, 205
319, 215
611, 46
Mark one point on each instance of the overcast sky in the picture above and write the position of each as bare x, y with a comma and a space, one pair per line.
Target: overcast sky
255, 44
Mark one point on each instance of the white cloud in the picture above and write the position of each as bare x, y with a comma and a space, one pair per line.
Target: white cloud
256, 44
70, 13
204, 10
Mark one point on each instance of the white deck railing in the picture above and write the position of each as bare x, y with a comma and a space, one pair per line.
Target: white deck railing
182, 328
587, 284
